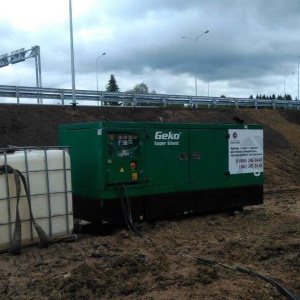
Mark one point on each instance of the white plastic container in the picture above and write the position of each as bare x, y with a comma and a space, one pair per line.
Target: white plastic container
48, 175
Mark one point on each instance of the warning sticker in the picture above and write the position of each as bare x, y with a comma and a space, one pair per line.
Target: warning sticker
122, 170
245, 151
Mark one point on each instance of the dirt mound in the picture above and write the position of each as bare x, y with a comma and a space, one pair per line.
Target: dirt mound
116, 264
35, 125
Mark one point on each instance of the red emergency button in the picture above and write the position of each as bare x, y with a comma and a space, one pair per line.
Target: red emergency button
133, 165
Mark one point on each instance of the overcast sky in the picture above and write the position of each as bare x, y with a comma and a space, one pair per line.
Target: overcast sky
249, 41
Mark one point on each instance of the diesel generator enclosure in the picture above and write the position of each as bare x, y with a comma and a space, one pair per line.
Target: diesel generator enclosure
161, 169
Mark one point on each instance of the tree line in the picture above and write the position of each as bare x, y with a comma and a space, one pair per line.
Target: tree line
273, 97
142, 88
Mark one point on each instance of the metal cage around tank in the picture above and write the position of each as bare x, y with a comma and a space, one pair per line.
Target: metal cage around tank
47, 172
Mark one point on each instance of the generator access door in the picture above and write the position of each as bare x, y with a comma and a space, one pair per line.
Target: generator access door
208, 155
166, 156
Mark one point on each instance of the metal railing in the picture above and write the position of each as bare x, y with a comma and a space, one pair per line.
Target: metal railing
22, 94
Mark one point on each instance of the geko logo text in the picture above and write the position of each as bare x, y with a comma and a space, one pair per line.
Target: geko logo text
170, 138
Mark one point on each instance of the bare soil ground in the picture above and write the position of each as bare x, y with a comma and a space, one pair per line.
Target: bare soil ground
106, 263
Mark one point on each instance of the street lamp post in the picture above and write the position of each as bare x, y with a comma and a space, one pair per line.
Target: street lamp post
298, 72
195, 40
298, 78
72, 56
284, 83
97, 68
208, 80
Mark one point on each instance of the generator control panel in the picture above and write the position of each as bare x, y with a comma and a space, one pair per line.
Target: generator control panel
123, 157
123, 144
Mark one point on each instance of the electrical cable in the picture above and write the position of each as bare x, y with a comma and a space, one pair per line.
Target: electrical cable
126, 208
289, 295
128, 202
126, 211
123, 207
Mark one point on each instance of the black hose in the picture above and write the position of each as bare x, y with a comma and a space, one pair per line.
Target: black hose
289, 295
282, 290
126, 208
128, 203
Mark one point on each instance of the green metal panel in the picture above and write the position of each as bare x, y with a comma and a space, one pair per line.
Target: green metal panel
78, 159
86, 154
208, 155
166, 156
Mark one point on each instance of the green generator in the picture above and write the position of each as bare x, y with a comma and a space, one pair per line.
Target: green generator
162, 169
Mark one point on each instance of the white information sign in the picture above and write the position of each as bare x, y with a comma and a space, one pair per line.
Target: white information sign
246, 153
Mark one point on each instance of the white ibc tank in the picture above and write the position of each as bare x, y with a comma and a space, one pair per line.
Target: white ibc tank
48, 175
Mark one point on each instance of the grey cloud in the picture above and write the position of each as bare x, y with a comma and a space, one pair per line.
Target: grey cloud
249, 40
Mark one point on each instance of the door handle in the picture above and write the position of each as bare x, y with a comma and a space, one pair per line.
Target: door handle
196, 156
183, 156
